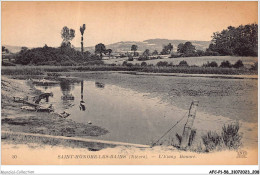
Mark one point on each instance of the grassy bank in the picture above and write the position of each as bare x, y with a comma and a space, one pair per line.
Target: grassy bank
39, 70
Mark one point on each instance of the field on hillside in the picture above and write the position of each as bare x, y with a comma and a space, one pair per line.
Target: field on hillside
198, 61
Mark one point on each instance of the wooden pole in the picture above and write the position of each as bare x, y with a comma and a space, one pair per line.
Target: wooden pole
188, 125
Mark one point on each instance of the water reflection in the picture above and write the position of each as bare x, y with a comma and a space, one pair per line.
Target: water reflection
82, 103
67, 97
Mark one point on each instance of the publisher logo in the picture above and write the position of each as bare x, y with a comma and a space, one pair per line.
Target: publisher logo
241, 154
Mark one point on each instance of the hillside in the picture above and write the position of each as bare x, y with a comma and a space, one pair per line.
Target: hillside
13, 49
124, 46
151, 44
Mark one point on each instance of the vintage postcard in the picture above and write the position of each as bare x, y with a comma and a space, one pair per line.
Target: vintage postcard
129, 83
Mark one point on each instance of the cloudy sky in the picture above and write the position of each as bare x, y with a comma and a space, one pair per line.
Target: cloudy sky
34, 24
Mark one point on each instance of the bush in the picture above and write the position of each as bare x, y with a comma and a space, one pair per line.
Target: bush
174, 55
231, 137
162, 63
255, 66
225, 64
238, 64
123, 55
211, 53
129, 64
143, 64
210, 64
153, 58
124, 63
200, 52
143, 58
183, 63
64, 55
130, 58
211, 141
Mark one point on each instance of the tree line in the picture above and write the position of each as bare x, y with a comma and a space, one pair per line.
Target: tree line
241, 41
66, 54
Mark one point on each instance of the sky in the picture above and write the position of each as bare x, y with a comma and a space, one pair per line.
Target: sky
33, 24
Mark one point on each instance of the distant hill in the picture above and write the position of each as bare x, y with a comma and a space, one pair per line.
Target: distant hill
13, 49
151, 44
124, 46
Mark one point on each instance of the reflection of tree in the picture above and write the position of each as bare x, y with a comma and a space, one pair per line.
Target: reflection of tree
66, 87
82, 103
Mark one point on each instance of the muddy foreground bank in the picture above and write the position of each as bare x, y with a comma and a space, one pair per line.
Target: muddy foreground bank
14, 119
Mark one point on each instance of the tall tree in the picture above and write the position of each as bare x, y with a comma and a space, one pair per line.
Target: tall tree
82, 30
67, 35
100, 48
170, 47
241, 40
180, 48
134, 48
187, 48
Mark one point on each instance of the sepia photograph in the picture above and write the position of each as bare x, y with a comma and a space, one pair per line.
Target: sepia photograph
129, 83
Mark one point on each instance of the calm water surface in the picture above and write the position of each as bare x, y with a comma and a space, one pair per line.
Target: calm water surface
136, 116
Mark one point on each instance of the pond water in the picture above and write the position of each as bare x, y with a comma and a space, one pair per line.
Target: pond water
141, 116
129, 116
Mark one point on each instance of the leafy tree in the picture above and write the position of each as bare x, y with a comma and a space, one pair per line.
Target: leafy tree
238, 64
134, 48
146, 52
180, 48
170, 47
188, 48
225, 64
130, 58
155, 52
143, 64
211, 64
167, 49
67, 35
82, 30
162, 63
183, 63
100, 48
200, 52
242, 40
